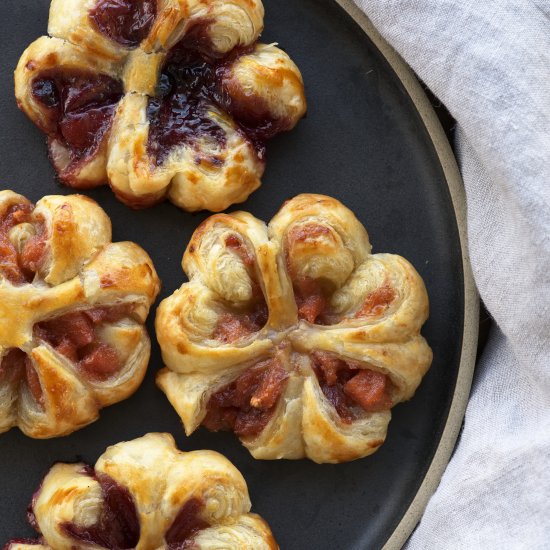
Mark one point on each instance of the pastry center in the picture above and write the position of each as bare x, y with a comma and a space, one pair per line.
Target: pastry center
247, 404
190, 87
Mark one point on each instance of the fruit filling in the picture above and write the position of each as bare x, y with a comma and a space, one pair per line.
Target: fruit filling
186, 524
191, 83
350, 387
312, 300
246, 405
19, 267
233, 326
79, 109
127, 22
118, 524
74, 335
377, 302
16, 366
313, 295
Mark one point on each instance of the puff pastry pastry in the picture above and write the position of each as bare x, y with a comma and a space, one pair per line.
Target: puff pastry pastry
293, 335
72, 309
146, 495
161, 98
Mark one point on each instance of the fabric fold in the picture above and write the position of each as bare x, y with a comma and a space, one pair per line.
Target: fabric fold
489, 63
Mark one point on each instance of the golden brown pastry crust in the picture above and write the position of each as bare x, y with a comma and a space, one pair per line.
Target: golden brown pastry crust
80, 270
206, 173
331, 246
161, 481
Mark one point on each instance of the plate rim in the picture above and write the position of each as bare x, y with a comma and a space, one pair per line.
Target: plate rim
468, 356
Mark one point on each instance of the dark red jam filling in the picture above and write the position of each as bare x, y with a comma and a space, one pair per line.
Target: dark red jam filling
79, 106
19, 268
191, 82
118, 525
185, 525
349, 387
17, 367
246, 405
127, 22
233, 326
74, 336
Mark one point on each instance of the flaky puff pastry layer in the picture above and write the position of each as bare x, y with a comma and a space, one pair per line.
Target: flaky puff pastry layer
166, 499
80, 269
312, 237
259, 83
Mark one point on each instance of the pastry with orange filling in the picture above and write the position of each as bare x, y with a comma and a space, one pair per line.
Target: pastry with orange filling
72, 310
293, 335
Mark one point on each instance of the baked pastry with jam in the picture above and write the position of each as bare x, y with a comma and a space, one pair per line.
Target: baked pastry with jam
147, 495
72, 309
160, 98
293, 335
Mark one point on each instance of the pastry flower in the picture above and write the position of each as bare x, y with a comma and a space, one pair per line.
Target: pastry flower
146, 495
293, 335
160, 98
72, 309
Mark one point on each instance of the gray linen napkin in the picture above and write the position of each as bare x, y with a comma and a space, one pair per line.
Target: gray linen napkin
489, 62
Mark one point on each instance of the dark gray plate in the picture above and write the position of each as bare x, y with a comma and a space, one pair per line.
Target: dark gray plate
370, 140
